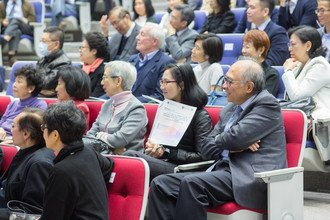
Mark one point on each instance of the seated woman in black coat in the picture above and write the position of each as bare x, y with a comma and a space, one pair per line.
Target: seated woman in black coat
76, 186
26, 177
221, 20
179, 84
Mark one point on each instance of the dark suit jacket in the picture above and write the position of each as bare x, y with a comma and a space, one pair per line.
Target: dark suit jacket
219, 23
148, 76
278, 51
96, 78
271, 79
303, 14
130, 46
260, 120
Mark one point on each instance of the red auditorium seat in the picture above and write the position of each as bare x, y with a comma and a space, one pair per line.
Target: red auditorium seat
8, 154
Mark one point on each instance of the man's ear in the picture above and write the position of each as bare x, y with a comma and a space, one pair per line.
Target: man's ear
250, 87
26, 135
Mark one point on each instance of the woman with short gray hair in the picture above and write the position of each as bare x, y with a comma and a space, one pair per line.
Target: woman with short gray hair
122, 120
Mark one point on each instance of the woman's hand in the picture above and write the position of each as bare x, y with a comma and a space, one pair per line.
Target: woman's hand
154, 150
119, 151
290, 64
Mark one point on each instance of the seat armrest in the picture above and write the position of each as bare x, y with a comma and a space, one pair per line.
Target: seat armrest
278, 175
193, 166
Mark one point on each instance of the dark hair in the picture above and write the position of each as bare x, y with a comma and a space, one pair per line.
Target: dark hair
192, 93
31, 121
183, 2
224, 5
150, 11
212, 46
307, 33
270, 4
97, 41
67, 120
33, 78
187, 14
77, 82
259, 39
122, 12
56, 33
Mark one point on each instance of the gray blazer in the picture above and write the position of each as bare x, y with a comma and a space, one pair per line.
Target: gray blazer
127, 128
130, 46
260, 120
181, 46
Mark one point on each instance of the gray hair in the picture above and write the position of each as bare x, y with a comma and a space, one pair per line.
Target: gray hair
252, 72
187, 14
156, 32
124, 70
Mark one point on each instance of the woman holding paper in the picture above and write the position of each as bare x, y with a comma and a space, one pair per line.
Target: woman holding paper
122, 120
179, 84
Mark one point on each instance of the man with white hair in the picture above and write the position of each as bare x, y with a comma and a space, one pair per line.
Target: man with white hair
149, 62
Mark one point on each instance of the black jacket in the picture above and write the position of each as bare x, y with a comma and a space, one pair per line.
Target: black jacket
48, 67
76, 187
219, 23
271, 79
189, 147
26, 177
96, 78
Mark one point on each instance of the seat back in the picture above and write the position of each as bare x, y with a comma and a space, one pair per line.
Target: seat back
232, 47
214, 113
39, 8
4, 102
128, 193
200, 17
238, 12
8, 154
151, 110
159, 15
225, 69
281, 88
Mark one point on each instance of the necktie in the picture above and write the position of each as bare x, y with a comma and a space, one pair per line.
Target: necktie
233, 118
122, 45
11, 13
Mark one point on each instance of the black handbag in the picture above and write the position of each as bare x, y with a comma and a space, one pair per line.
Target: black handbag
306, 105
19, 210
98, 144
217, 98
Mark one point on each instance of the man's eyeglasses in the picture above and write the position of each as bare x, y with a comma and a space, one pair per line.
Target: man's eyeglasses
165, 82
43, 127
321, 10
104, 77
230, 81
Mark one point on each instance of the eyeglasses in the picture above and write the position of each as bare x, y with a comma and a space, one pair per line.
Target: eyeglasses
43, 127
292, 45
82, 47
104, 77
321, 10
165, 82
230, 81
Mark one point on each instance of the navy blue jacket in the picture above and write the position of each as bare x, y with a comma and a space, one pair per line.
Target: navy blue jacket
148, 76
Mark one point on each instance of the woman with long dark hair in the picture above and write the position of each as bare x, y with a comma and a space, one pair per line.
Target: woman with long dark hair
143, 12
179, 84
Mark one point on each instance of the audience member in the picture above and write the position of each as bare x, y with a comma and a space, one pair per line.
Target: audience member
307, 72
74, 84
149, 62
207, 53
221, 20
258, 14
195, 4
15, 16
26, 88
256, 45
180, 41
76, 186
178, 84
251, 127
323, 14
61, 8
122, 120
122, 44
93, 53
143, 12
53, 58
28, 172
297, 12
165, 21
